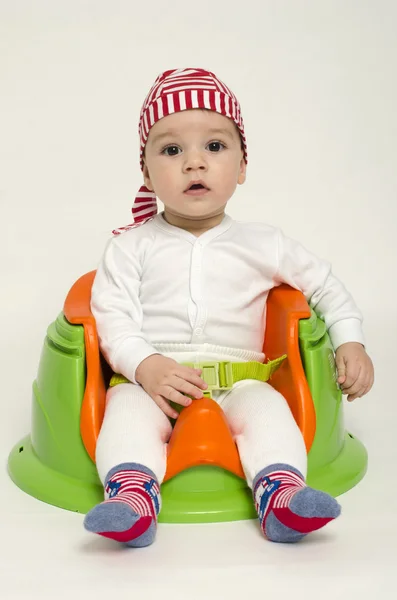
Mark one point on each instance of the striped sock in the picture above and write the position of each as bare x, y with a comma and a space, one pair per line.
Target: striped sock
129, 514
287, 508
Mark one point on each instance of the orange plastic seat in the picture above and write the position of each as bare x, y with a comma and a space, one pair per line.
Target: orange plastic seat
201, 434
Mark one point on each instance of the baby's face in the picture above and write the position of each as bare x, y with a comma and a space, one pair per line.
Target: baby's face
189, 147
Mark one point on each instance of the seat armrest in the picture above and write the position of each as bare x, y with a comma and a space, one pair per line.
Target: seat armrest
77, 311
285, 307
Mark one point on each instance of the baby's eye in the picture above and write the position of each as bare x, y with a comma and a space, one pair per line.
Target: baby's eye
171, 151
215, 146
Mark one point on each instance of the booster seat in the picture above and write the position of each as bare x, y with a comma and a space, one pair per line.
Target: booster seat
204, 481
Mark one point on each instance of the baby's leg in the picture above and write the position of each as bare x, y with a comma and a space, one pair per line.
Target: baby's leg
274, 459
131, 463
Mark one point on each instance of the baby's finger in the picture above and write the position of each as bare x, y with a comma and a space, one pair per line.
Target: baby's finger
191, 376
358, 394
371, 380
170, 393
352, 380
355, 392
165, 407
368, 385
358, 390
341, 369
186, 388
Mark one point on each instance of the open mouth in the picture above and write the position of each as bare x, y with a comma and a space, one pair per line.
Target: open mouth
197, 187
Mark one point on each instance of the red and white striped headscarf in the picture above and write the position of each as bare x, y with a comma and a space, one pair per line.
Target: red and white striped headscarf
172, 92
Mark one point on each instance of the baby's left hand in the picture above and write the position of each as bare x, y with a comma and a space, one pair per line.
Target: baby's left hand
355, 370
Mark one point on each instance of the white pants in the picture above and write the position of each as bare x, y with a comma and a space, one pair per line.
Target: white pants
136, 430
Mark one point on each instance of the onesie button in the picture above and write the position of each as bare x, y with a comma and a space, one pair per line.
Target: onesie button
198, 331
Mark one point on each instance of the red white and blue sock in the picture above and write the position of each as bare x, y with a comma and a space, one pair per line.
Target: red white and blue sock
287, 508
129, 514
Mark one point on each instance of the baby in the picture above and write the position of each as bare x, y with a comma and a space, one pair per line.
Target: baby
190, 285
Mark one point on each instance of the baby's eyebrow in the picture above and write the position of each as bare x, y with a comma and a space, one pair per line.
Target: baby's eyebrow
222, 132
161, 136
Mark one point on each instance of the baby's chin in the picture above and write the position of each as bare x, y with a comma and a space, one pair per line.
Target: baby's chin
195, 211
195, 215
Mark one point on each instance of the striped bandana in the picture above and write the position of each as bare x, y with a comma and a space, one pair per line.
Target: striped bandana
172, 92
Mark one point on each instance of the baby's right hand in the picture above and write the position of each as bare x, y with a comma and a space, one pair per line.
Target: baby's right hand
164, 379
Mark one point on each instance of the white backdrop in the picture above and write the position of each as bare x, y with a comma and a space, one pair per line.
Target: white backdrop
317, 85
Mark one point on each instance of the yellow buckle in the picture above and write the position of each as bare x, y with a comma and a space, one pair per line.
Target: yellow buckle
217, 375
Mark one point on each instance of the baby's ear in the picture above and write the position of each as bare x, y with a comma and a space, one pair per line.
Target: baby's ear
243, 172
146, 177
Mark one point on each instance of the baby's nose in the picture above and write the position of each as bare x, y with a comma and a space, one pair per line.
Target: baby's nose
194, 161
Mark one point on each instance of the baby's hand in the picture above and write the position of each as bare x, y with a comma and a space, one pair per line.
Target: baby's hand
164, 379
355, 370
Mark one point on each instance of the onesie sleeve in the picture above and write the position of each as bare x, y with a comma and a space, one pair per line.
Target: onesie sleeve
325, 294
118, 312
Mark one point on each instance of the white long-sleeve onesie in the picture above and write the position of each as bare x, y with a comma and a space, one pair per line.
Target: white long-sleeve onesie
160, 289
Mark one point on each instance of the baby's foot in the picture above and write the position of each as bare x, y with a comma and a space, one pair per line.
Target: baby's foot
129, 515
288, 509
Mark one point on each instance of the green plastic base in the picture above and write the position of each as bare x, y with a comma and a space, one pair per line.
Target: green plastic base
344, 472
213, 495
226, 498
48, 485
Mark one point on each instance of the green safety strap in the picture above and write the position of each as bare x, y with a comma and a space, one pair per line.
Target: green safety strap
223, 375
